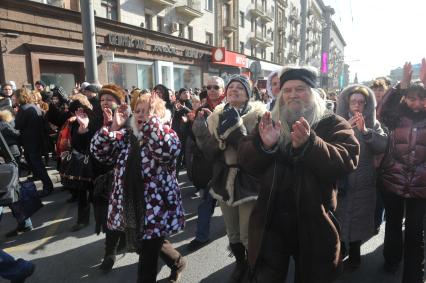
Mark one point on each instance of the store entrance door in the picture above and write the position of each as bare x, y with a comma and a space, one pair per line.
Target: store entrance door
164, 73
61, 73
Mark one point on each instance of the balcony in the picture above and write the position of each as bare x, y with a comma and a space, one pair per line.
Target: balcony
267, 16
192, 9
255, 37
256, 9
283, 2
266, 42
230, 25
163, 3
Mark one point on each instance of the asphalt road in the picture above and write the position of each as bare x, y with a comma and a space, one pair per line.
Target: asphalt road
64, 256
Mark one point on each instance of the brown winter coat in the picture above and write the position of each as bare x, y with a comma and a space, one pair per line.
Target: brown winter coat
331, 152
228, 183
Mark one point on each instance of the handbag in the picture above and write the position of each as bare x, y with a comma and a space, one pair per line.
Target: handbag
76, 169
28, 203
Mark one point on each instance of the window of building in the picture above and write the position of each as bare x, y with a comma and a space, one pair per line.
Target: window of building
228, 43
110, 8
209, 5
263, 53
241, 47
148, 21
186, 76
242, 19
253, 50
209, 38
160, 23
190, 33
253, 25
181, 30
272, 56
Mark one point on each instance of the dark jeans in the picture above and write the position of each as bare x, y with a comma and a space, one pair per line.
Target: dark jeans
205, 212
12, 269
148, 259
36, 164
413, 246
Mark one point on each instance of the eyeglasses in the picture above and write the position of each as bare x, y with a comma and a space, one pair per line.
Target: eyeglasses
357, 102
215, 87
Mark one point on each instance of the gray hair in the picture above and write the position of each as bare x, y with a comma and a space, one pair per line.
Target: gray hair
316, 111
219, 81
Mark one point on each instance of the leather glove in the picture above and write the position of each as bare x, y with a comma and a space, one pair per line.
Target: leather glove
227, 120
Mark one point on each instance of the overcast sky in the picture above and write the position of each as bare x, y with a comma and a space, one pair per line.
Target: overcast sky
381, 34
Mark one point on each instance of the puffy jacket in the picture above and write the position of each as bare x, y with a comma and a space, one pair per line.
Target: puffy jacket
404, 167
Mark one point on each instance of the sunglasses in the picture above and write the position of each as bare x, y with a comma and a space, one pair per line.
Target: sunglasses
215, 87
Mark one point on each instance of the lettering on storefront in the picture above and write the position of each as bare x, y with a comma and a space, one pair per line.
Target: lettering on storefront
164, 49
125, 41
192, 54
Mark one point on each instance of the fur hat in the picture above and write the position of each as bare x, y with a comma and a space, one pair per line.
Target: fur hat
79, 101
114, 90
243, 80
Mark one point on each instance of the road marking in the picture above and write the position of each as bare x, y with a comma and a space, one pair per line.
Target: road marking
54, 225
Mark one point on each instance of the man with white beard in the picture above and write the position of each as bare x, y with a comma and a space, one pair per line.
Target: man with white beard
300, 151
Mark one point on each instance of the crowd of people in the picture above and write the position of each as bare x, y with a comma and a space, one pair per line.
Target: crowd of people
297, 173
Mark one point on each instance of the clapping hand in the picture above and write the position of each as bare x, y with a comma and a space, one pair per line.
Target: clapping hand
300, 133
269, 133
82, 119
107, 113
120, 117
406, 75
423, 72
360, 123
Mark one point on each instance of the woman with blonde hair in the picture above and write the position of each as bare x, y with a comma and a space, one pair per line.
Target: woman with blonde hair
145, 201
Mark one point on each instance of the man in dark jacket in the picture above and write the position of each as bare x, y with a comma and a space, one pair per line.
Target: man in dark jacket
300, 151
202, 170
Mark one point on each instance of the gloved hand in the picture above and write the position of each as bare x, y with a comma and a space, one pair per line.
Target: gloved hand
227, 119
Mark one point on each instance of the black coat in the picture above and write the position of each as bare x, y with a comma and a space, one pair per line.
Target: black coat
29, 121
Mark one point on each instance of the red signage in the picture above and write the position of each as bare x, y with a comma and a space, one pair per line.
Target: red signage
223, 57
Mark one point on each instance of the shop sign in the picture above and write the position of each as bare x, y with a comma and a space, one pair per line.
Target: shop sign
221, 56
192, 54
125, 41
164, 49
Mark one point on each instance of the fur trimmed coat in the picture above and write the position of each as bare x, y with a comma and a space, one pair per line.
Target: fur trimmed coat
164, 214
229, 182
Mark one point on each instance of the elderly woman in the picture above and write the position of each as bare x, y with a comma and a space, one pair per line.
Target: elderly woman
357, 193
145, 201
218, 138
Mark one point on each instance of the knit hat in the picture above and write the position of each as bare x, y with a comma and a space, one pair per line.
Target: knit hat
92, 88
40, 83
243, 80
114, 90
301, 74
84, 85
60, 93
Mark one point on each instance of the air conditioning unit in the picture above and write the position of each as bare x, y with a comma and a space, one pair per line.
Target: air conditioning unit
174, 27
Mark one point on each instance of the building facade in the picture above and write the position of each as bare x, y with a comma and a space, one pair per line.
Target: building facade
178, 43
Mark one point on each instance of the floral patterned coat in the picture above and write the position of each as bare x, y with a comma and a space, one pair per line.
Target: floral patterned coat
164, 214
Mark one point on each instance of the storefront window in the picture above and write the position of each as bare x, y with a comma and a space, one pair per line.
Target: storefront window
187, 76
67, 81
130, 75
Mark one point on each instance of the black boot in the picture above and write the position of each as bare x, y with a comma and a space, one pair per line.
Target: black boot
241, 268
111, 243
